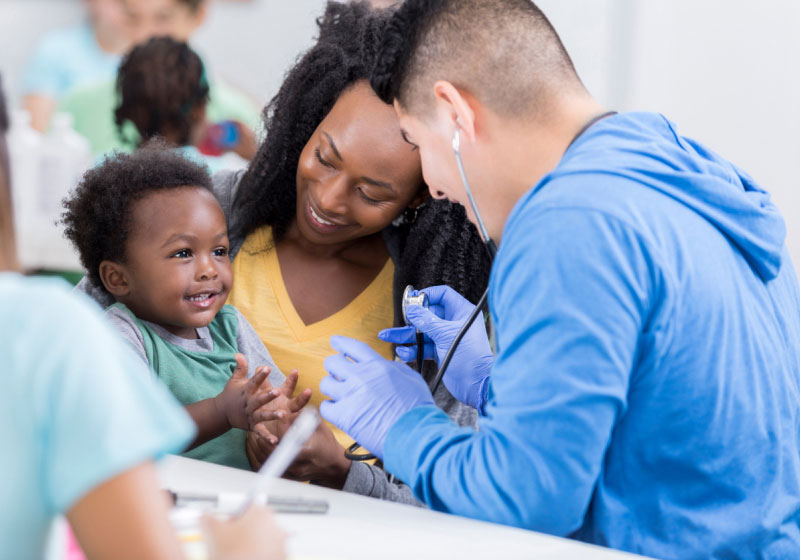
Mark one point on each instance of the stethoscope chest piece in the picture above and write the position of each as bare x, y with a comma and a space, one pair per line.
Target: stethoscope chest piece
410, 299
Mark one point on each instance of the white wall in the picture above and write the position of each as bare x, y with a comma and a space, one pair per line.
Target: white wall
250, 44
727, 71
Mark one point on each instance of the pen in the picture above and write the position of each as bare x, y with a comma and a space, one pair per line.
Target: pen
280, 459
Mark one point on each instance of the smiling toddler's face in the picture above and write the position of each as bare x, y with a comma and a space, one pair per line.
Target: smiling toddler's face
176, 259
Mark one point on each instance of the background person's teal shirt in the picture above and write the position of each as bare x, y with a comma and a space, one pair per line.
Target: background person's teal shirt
66, 59
77, 408
646, 387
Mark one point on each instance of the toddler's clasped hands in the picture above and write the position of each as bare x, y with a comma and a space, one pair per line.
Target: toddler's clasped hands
244, 402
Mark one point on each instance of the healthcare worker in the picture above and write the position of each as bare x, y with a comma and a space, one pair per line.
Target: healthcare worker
644, 393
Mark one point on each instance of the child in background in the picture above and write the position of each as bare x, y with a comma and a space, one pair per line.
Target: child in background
150, 232
162, 90
74, 57
93, 106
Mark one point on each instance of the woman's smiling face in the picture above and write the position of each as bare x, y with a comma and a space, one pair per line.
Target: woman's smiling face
356, 173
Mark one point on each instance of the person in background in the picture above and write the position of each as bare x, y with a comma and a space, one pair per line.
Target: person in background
93, 107
85, 422
75, 57
332, 194
644, 392
163, 91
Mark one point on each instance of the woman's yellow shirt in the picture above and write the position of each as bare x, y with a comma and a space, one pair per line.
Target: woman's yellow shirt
260, 294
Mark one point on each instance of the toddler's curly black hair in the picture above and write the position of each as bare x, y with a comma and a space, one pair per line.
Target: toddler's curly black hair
97, 215
441, 246
160, 83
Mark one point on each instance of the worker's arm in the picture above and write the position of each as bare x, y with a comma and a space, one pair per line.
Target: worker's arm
568, 299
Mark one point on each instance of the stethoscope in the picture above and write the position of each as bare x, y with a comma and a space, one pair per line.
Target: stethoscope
422, 299
491, 248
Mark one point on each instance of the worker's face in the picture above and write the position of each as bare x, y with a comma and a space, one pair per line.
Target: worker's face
156, 18
434, 139
176, 260
355, 174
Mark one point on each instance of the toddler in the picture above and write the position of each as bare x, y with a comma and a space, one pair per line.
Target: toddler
150, 232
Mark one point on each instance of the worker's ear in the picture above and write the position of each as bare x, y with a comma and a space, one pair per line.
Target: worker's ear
114, 279
456, 107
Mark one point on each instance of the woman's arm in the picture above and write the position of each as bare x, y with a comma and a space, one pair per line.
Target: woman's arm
225, 185
322, 461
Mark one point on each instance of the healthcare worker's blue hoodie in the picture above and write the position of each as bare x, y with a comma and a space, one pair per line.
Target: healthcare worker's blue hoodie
645, 393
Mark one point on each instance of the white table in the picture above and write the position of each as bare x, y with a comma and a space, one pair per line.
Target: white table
357, 526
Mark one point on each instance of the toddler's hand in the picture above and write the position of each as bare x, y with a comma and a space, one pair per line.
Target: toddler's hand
270, 422
242, 397
284, 407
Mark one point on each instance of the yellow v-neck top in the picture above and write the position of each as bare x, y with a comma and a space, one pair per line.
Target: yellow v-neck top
260, 294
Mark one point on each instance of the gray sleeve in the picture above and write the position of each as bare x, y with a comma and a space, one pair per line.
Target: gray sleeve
225, 185
102, 297
249, 344
368, 480
460, 413
129, 331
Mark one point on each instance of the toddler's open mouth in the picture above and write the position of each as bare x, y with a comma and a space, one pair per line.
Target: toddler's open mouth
203, 299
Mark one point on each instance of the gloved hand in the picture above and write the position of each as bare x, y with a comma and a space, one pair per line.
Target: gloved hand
368, 392
467, 376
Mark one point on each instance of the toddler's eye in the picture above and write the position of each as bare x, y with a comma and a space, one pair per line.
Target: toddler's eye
220, 252
183, 254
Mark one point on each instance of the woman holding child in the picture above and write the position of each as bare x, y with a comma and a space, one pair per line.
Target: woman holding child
331, 222
326, 228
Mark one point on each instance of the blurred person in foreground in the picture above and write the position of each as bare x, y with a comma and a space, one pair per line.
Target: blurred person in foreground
86, 421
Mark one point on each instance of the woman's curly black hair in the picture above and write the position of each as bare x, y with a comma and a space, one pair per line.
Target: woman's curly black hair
440, 246
159, 84
97, 215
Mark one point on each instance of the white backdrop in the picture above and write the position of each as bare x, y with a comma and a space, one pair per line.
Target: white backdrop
727, 71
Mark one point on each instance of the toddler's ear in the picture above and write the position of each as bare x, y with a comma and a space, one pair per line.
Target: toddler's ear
112, 275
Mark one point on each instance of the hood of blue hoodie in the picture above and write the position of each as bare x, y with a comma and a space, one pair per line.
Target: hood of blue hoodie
649, 148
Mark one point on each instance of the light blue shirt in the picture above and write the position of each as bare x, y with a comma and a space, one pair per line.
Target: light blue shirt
77, 407
66, 59
645, 394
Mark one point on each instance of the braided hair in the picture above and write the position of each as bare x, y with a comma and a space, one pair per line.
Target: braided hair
440, 246
159, 84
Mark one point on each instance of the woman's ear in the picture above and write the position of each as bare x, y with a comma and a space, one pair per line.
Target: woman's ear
114, 279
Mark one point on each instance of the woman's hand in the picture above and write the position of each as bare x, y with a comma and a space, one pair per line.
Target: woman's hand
321, 460
250, 536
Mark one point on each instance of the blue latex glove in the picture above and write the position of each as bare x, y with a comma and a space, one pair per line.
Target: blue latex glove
467, 376
368, 393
